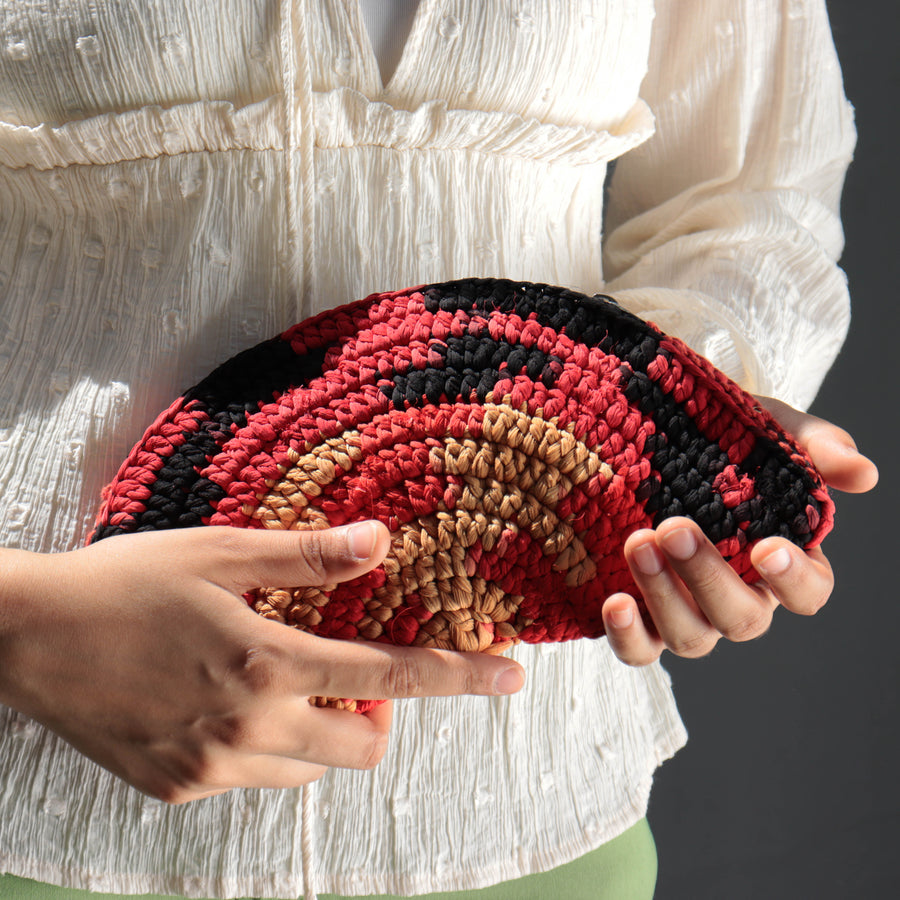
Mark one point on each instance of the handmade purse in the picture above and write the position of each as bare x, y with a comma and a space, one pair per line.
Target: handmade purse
510, 435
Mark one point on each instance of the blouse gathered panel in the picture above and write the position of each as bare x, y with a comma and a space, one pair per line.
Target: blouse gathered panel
149, 229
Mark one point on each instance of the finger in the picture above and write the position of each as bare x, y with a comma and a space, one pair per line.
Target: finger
801, 581
382, 715
831, 448
178, 794
274, 772
234, 770
679, 621
841, 465
370, 671
294, 729
630, 639
735, 610
179, 776
250, 558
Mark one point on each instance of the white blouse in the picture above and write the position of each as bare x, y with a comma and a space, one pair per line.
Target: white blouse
181, 179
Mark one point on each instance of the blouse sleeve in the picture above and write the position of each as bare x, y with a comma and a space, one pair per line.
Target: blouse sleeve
724, 228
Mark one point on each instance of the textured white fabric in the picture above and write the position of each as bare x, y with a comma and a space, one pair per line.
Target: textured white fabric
148, 230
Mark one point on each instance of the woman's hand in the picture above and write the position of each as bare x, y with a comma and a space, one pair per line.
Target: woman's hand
694, 598
142, 654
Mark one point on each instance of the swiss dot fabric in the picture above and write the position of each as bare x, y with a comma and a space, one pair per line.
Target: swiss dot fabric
182, 179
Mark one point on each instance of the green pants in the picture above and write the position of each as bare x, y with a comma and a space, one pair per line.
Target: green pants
623, 869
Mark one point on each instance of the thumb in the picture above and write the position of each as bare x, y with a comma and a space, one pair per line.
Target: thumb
263, 558
831, 448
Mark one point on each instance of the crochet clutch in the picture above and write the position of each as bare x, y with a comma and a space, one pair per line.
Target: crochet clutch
510, 435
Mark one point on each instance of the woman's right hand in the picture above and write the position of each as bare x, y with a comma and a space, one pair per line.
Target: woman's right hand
141, 652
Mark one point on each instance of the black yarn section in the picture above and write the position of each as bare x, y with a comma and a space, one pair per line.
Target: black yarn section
255, 376
687, 463
469, 370
595, 321
783, 485
684, 462
180, 497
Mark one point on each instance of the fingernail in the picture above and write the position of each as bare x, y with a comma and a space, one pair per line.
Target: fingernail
648, 559
622, 618
509, 681
776, 563
680, 543
361, 539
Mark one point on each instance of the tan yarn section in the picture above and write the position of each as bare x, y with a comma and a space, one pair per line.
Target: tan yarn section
511, 479
557, 461
288, 499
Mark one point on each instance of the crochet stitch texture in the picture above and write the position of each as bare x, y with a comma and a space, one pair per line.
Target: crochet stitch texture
510, 435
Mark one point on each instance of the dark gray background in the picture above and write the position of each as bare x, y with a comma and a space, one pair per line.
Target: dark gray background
788, 788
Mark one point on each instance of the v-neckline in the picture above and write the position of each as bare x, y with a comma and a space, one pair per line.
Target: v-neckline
410, 46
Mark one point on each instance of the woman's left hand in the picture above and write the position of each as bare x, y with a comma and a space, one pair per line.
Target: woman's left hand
694, 598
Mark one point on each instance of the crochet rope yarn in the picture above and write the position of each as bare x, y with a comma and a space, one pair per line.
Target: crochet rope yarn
510, 435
